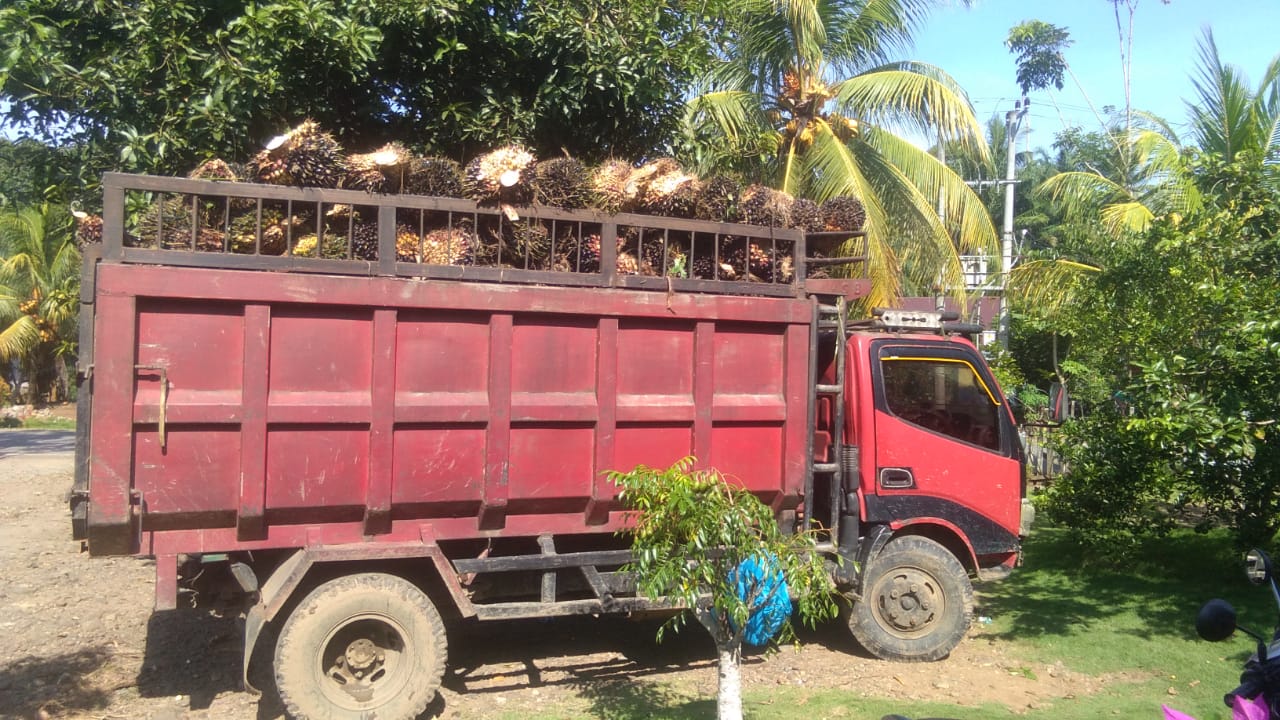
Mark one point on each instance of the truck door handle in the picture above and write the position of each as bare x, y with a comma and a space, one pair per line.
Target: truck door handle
897, 478
164, 395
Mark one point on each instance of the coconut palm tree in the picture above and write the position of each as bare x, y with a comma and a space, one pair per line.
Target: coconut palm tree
39, 293
809, 97
1227, 118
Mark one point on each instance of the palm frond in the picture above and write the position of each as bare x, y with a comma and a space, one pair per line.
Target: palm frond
1124, 218
1047, 285
903, 95
832, 159
18, 338
1081, 193
965, 212
872, 32
922, 247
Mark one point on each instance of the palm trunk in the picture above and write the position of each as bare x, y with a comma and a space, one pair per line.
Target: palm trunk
729, 701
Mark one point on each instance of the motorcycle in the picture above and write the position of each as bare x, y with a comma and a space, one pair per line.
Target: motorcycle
1258, 695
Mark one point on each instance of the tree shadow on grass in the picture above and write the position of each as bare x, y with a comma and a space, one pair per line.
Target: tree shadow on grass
623, 699
1065, 589
60, 684
498, 657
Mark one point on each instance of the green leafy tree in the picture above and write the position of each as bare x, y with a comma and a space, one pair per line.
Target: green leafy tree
1039, 47
1181, 324
809, 96
156, 85
39, 294
693, 533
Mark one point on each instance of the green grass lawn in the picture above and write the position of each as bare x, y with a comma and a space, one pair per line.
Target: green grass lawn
49, 423
1095, 615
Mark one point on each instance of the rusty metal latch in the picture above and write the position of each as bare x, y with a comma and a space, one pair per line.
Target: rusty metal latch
164, 395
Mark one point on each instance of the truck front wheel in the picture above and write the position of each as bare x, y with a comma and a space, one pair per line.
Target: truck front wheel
916, 602
367, 645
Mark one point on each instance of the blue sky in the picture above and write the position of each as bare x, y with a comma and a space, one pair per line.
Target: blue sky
969, 44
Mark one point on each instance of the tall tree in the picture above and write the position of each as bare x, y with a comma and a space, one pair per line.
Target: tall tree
808, 95
156, 85
39, 294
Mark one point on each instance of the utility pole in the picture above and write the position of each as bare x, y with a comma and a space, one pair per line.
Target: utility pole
940, 301
1013, 122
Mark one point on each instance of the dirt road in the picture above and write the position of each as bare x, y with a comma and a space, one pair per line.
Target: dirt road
78, 640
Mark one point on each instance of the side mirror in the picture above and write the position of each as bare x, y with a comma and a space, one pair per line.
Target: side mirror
1216, 621
1257, 567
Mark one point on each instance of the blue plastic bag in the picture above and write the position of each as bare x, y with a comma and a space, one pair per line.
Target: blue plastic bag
759, 575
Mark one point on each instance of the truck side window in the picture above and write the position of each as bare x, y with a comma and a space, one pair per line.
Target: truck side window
945, 396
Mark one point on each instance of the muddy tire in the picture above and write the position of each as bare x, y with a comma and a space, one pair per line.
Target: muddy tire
916, 604
368, 645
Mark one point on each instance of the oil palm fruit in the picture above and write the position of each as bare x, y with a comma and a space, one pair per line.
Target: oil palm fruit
500, 175
306, 156
806, 215
384, 170
436, 176
166, 224
640, 180
214, 169
765, 206
561, 182
447, 246
672, 193
717, 199
609, 185
844, 213
88, 228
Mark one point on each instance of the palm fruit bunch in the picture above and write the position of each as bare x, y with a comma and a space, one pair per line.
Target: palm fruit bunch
717, 199
844, 213
165, 224
561, 182
652, 260
408, 244
749, 260
626, 263
527, 243
88, 228
500, 175
384, 170
447, 246
215, 169
305, 156
364, 239
765, 206
331, 247
640, 179
806, 215
705, 267
609, 185
672, 193
276, 229
436, 176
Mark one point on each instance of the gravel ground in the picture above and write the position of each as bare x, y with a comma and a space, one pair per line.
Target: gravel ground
78, 640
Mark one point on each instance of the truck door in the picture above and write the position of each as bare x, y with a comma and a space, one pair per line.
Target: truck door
945, 446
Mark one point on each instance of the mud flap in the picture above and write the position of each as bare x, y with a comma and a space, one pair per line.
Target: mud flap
254, 621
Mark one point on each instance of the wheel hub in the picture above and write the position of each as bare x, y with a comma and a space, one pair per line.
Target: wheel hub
908, 601
363, 662
362, 654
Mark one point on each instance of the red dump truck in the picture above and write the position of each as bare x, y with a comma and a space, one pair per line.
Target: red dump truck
374, 411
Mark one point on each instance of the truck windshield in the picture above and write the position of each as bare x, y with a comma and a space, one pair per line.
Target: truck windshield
943, 395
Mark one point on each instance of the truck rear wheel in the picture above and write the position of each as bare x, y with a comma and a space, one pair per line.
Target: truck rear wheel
368, 645
916, 604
